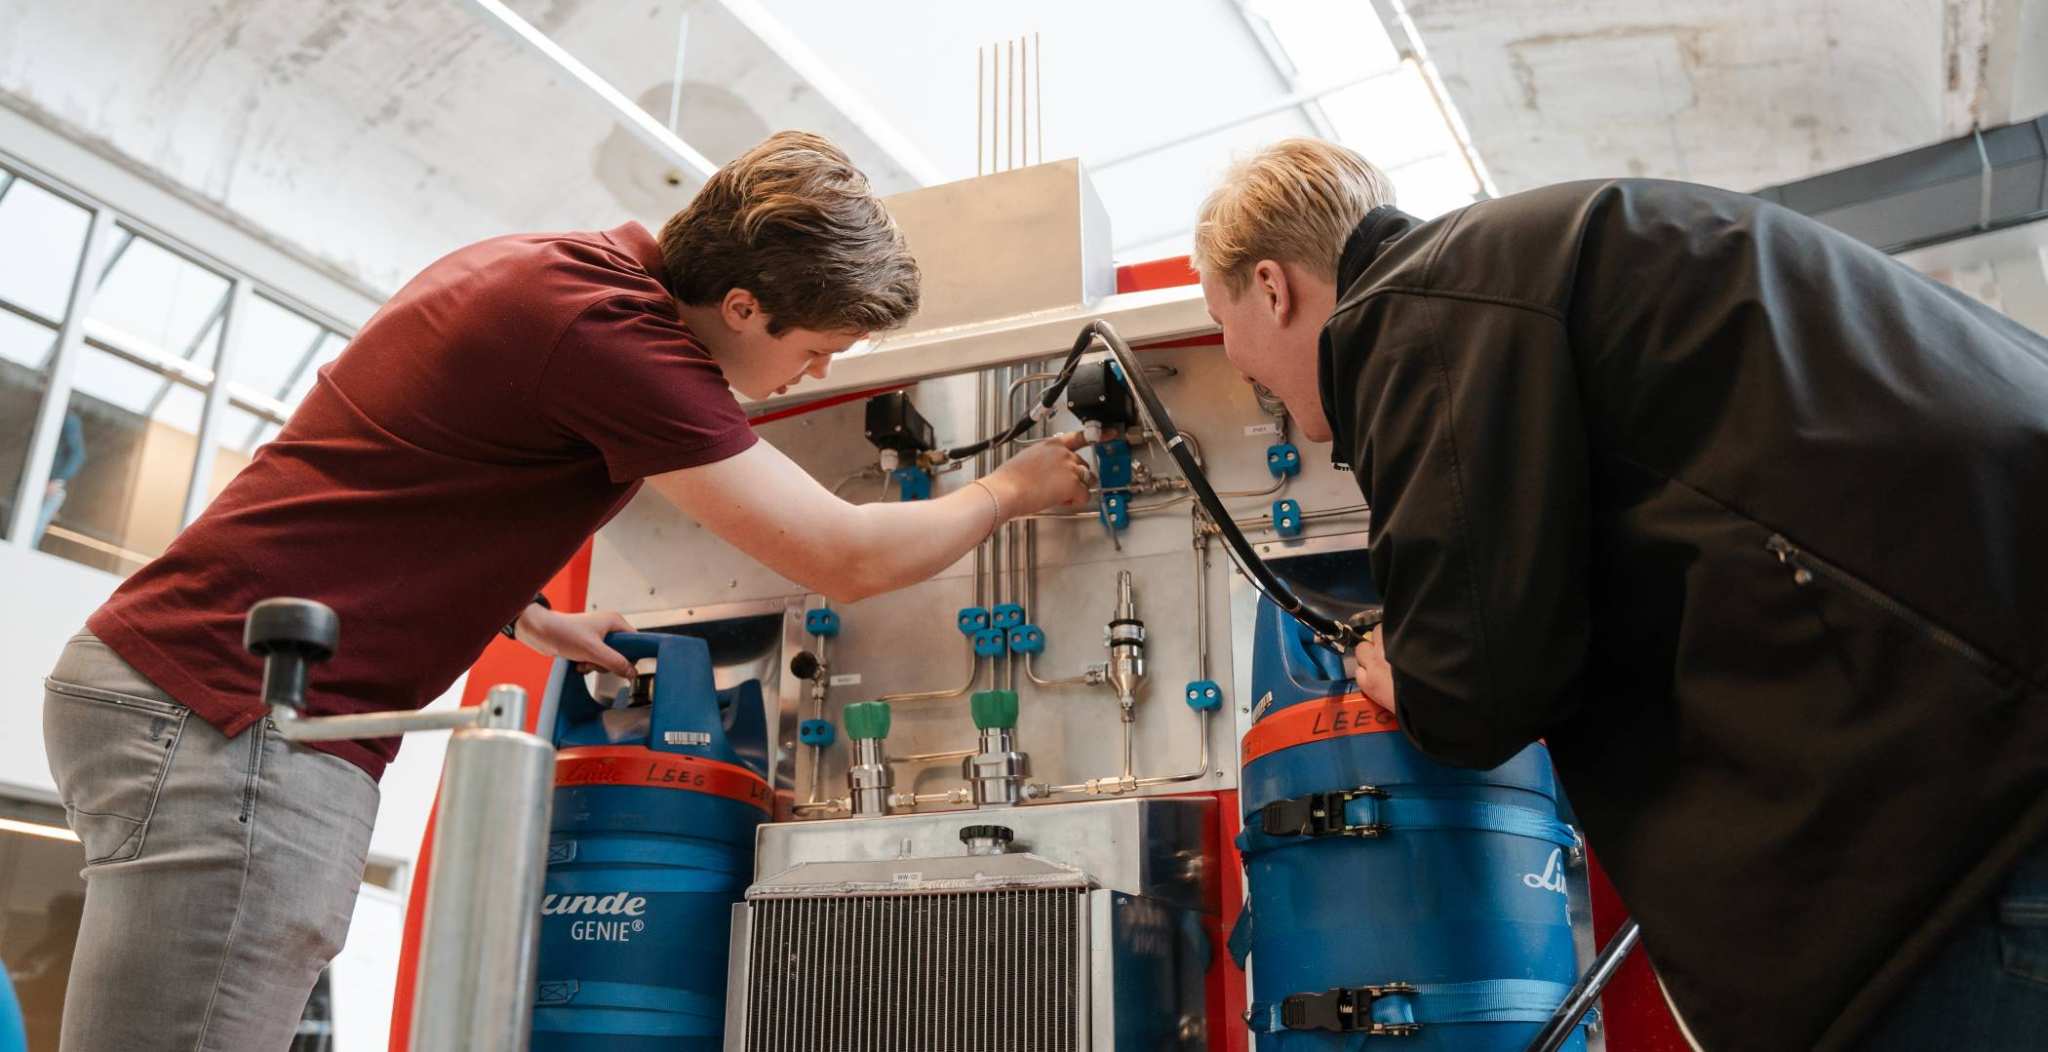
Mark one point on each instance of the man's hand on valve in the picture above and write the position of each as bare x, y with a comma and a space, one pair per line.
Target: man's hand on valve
1375, 677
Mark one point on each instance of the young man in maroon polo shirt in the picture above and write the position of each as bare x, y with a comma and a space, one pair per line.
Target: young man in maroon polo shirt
497, 411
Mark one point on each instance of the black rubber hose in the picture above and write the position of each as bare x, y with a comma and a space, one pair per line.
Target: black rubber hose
1343, 634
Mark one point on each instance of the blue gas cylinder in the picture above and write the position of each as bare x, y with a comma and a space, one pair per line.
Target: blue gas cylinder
652, 842
13, 1032
1389, 894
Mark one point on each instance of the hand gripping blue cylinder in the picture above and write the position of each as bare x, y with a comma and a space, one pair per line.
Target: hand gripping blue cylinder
1391, 899
655, 809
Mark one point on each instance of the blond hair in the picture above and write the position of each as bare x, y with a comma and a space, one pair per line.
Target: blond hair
1294, 201
795, 223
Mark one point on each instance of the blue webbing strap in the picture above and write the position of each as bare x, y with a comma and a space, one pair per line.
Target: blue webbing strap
551, 993
1486, 1001
1394, 814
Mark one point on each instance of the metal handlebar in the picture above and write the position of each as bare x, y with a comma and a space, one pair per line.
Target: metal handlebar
479, 934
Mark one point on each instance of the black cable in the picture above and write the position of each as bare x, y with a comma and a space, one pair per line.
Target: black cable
1046, 400
1343, 633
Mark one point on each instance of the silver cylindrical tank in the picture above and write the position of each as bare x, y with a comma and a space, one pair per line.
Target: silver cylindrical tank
478, 936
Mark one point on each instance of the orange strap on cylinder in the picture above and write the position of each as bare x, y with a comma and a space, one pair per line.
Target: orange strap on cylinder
634, 766
1333, 717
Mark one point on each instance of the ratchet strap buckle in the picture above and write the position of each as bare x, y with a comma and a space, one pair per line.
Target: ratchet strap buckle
1321, 815
1345, 1010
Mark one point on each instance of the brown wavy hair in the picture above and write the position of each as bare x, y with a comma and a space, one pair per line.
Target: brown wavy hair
795, 223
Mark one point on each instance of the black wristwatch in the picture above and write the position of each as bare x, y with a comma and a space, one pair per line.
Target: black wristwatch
539, 600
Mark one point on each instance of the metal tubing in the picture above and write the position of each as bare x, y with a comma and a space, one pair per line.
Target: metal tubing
294, 727
973, 673
479, 938
949, 796
820, 689
1120, 785
934, 757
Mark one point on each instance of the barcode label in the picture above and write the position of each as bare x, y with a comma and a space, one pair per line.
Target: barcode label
846, 679
1262, 429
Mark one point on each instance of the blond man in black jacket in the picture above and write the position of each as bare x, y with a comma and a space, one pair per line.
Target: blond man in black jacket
1741, 516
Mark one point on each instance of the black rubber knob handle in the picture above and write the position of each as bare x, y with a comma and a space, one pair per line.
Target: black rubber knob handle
804, 665
999, 834
290, 635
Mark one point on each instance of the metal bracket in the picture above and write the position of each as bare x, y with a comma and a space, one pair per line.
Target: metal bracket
1283, 459
991, 642
1027, 638
1287, 518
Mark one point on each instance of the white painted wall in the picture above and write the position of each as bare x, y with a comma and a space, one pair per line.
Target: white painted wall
47, 601
361, 976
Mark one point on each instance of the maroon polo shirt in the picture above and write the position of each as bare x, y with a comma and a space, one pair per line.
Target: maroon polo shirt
484, 423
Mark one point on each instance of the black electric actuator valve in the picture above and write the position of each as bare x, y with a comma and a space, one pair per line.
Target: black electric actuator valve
1098, 395
895, 425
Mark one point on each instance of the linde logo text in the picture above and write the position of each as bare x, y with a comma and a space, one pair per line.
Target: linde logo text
616, 904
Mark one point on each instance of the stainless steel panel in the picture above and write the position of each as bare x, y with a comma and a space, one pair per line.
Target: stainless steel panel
1026, 240
654, 559
1154, 847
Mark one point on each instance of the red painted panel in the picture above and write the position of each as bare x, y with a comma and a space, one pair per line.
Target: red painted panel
1633, 1007
1228, 997
1172, 272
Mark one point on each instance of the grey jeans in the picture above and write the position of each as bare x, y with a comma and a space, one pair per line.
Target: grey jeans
220, 873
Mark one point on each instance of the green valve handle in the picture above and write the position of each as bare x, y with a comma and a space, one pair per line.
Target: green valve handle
867, 720
994, 710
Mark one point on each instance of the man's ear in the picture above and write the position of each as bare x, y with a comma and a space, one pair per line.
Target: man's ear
1269, 282
741, 311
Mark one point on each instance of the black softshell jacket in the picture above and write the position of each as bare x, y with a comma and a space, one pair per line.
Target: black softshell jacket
1750, 522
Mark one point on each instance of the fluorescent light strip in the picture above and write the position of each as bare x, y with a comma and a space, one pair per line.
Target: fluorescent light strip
638, 122
11, 825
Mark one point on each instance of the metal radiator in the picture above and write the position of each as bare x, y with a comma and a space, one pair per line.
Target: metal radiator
888, 935
978, 971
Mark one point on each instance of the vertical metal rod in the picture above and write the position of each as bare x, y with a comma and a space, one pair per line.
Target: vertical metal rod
979, 91
214, 413
1026, 112
70, 346
1201, 599
1010, 109
995, 102
1038, 79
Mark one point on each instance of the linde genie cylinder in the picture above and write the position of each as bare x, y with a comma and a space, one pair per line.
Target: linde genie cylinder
652, 843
